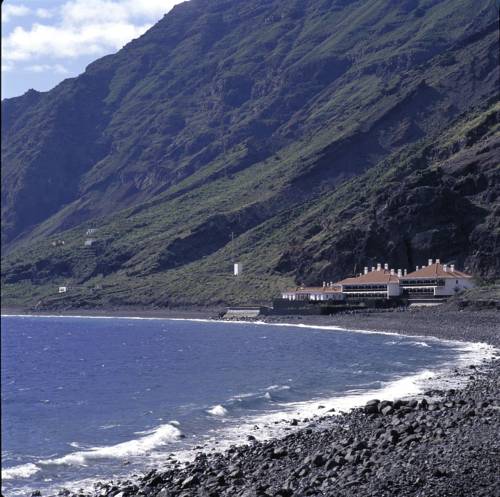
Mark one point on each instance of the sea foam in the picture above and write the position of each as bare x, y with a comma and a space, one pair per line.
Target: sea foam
270, 424
155, 438
21, 471
217, 410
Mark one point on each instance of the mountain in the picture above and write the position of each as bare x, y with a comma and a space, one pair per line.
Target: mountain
304, 139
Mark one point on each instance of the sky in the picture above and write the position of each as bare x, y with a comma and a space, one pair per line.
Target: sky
46, 41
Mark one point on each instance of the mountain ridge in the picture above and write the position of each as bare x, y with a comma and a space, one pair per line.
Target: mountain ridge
168, 151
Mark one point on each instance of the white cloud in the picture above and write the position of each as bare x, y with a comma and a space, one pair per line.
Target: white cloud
63, 42
84, 27
82, 11
44, 13
42, 68
7, 66
11, 11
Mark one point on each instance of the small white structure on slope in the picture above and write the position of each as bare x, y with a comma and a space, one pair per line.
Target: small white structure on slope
238, 268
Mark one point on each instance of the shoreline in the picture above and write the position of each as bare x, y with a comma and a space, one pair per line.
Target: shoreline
310, 322
347, 471
477, 325
191, 313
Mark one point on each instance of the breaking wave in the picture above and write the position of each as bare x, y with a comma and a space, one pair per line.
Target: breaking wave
259, 411
277, 388
405, 343
218, 410
22, 471
153, 439
419, 344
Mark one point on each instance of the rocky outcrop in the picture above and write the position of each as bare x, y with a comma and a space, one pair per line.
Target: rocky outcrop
447, 208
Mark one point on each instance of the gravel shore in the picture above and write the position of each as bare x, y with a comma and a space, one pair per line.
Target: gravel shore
468, 326
442, 443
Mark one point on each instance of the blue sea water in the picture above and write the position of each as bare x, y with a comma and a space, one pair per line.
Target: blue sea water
89, 398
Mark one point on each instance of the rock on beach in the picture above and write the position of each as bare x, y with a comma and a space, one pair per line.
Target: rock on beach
444, 443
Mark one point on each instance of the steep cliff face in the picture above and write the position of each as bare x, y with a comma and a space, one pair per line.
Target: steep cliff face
444, 203
437, 198
240, 120
216, 79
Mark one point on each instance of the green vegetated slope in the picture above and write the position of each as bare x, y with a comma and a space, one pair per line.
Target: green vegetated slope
257, 119
437, 197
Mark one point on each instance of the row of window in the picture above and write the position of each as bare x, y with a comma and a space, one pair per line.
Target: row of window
419, 291
365, 295
308, 296
353, 288
421, 283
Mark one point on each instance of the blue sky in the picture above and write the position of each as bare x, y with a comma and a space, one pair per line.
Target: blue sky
46, 41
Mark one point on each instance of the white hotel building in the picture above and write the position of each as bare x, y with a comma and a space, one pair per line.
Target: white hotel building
435, 280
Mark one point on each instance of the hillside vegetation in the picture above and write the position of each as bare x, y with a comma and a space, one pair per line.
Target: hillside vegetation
304, 139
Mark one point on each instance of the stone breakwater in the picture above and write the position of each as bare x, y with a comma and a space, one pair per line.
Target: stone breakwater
442, 443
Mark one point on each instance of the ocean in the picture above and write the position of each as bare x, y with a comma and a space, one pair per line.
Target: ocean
88, 399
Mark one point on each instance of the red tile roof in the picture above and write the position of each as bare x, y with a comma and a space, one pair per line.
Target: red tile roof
373, 277
313, 289
436, 270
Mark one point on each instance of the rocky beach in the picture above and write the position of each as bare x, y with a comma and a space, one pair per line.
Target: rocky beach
442, 443
178, 176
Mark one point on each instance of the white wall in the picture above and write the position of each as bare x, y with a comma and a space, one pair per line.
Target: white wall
314, 296
393, 290
451, 284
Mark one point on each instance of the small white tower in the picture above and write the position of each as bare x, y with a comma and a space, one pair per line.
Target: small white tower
238, 268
